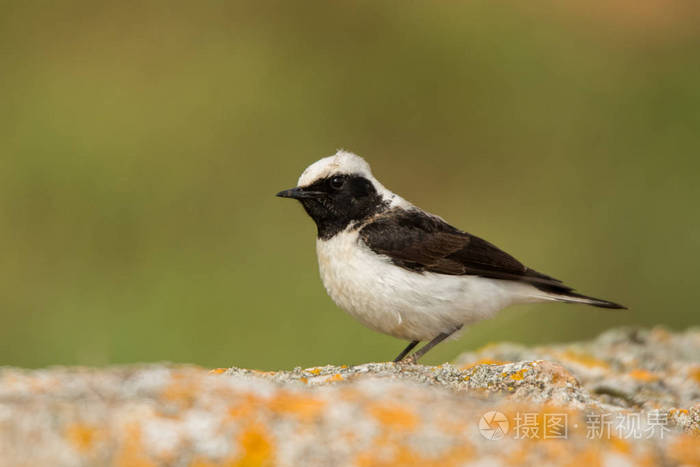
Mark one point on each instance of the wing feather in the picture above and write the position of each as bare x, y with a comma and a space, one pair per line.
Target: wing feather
421, 242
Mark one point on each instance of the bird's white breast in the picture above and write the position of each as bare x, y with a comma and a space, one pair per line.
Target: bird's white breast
404, 303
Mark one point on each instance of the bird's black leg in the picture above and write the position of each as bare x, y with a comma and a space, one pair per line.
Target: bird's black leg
405, 351
423, 350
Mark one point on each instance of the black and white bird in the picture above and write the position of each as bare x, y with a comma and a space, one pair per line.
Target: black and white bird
405, 272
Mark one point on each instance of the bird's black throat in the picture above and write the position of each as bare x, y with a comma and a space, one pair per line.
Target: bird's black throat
346, 199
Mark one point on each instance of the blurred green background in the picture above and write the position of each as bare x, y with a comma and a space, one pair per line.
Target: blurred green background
142, 143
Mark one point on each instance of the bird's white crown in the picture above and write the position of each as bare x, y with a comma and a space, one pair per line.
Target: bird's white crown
342, 162
347, 163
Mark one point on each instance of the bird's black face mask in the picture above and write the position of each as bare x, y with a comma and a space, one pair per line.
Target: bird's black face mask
336, 201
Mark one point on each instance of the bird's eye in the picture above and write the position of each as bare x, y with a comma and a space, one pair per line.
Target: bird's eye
337, 183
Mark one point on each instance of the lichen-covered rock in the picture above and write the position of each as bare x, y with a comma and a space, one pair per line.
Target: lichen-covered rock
628, 368
627, 398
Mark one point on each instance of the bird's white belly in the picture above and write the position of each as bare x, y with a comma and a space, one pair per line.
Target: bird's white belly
403, 303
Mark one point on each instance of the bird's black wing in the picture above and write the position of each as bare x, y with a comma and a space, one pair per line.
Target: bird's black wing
419, 242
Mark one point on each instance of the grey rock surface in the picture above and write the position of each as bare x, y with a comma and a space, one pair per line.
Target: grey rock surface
630, 397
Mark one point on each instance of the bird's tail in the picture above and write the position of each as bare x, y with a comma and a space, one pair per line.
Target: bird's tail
573, 297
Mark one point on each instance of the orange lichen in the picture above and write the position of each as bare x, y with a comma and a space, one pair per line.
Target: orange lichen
454, 426
695, 374
246, 407
256, 447
686, 450
183, 389
351, 394
304, 407
201, 462
558, 373
394, 416
82, 436
643, 375
314, 371
518, 375
335, 377
483, 361
620, 445
563, 452
132, 453
217, 371
584, 359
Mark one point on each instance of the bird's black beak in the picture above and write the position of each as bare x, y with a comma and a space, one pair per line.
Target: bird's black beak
300, 193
